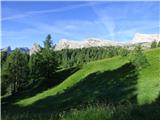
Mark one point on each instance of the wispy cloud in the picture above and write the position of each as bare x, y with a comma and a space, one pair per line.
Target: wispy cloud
102, 23
76, 29
36, 12
106, 20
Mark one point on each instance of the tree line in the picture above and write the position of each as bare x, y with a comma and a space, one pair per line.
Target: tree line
76, 57
155, 44
19, 70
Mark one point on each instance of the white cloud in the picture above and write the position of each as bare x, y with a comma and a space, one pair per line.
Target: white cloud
32, 13
106, 20
76, 29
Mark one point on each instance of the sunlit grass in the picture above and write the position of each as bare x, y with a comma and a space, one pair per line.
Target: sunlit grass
101, 65
148, 82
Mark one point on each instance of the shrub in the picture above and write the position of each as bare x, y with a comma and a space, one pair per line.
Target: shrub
138, 58
154, 44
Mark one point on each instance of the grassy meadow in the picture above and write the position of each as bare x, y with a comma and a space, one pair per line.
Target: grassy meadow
108, 89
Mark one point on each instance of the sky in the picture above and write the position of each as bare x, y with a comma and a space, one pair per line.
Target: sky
26, 23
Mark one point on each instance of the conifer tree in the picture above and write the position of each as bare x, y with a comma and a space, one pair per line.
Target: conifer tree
48, 42
44, 64
138, 58
17, 70
158, 44
154, 44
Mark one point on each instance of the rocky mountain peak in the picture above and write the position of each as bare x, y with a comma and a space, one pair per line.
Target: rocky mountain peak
35, 48
89, 42
142, 38
7, 49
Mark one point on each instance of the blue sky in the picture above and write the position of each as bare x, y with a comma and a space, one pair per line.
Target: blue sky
25, 23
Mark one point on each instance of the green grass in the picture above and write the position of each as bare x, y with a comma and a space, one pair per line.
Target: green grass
148, 82
101, 65
97, 112
110, 112
110, 81
149, 79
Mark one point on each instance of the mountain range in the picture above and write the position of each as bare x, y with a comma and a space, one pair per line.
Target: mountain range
93, 42
143, 39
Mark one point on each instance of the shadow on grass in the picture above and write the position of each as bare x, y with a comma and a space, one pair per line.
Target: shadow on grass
104, 87
147, 111
108, 87
41, 86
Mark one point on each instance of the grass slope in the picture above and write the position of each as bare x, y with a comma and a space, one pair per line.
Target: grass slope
148, 86
115, 69
101, 65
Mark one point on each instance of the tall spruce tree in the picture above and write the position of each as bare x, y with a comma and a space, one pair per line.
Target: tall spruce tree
138, 58
48, 42
16, 70
154, 44
158, 44
44, 63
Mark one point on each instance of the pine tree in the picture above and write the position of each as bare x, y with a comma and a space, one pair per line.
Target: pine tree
35, 62
138, 58
4, 80
154, 44
3, 57
44, 64
158, 44
17, 70
48, 42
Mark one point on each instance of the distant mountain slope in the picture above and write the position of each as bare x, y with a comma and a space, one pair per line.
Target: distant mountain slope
102, 65
142, 38
7, 49
35, 48
109, 78
145, 39
90, 42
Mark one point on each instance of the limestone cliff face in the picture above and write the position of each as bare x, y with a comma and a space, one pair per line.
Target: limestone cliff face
35, 48
90, 42
7, 49
141, 38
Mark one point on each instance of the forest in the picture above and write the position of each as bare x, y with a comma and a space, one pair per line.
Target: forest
22, 74
19, 70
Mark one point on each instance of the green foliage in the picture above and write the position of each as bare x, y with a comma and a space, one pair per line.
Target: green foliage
148, 87
28, 116
16, 71
44, 63
20, 70
124, 52
101, 65
154, 44
3, 57
4, 82
35, 67
108, 77
97, 112
158, 45
77, 57
48, 42
4, 75
104, 65
49, 63
111, 112
138, 58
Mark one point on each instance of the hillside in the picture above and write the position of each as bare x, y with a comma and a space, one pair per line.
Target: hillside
102, 65
113, 79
